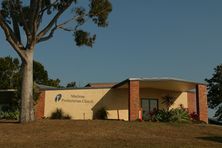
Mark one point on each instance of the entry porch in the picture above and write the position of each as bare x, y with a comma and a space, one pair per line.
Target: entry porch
145, 94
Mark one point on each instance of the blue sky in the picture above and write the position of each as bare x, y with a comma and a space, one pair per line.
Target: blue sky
145, 38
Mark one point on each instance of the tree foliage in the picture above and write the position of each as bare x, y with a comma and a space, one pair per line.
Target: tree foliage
10, 74
18, 15
40, 76
71, 85
218, 113
214, 86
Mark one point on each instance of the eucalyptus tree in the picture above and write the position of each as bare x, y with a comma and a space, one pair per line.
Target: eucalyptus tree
37, 21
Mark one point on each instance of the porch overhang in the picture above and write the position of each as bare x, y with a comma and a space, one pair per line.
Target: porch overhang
165, 83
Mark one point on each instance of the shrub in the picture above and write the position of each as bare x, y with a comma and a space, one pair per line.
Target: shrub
162, 116
59, 114
179, 115
152, 114
67, 117
168, 100
172, 115
194, 116
5, 108
9, 115
101, 114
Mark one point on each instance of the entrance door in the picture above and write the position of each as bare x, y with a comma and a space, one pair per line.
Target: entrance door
148, 107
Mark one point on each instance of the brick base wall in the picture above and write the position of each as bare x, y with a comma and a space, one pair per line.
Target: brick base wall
134, 100
40, 106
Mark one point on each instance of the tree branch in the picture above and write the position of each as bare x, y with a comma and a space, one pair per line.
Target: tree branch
42, 11
36, 7
11, 38
46, 8
14, 21
60, 26
22, 18
36, 14
49, 36
33, 5
40, 36
52, 22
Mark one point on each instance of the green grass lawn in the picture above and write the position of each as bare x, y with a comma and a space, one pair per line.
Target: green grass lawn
96, 133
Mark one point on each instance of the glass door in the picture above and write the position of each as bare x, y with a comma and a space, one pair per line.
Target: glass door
145, 109
149, 106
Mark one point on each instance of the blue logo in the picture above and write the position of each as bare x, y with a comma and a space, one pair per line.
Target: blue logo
58, 97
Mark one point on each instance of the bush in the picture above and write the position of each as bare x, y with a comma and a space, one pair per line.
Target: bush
179, 115
101, 114
5, 108
173, 115
59, 114
9, 115
194, 116
162, 116
168, 100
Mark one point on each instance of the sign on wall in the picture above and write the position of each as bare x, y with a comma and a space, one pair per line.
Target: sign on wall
72, 99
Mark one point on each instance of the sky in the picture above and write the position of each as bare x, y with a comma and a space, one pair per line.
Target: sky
145, 38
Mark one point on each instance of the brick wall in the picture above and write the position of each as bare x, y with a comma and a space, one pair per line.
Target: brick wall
202, 108
191, 102
39, 107
134, 100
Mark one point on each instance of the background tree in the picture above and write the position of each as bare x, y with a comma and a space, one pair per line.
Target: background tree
29, 18
9, 73
54, 83
218, 113
10, 78
40, 76
71, 85
214, 86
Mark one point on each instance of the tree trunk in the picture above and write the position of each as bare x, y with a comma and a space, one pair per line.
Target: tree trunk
27, 110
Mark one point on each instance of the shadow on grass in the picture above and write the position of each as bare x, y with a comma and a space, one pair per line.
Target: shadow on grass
214, 122
211, 138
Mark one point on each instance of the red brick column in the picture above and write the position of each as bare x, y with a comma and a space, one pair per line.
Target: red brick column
134, 100
40, 106
202, 108
191, 101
